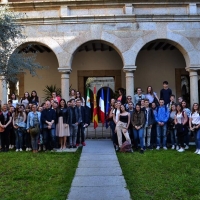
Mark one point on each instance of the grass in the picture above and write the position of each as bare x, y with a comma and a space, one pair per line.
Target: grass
45, 176
162, 175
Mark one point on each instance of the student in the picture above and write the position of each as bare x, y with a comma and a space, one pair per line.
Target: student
34, 99
72, 94
180, 121
12, 133
25, 99
14, 100
19, 118
139, 96
151, 96
122, 125
149, 120
194, 124
153, 128
142, 105
128, 100
55, 97
171, 127
78, 96
33, 122
172, 101
138, 122
165, 93
121, 97
161, 117
5, 122
131, 110
180, 99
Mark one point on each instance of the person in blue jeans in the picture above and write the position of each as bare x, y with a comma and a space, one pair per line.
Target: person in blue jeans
138, 122
161, 117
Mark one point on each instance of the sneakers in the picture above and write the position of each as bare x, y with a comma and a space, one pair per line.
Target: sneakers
74, 146
116, 148
196, 151
181, 150
77, 145
39, 148
173, 147
157, 148
83, 143
177, 148
20, 149
10, 146
17, 150
27, 149
186, 147
165, 148
44, 148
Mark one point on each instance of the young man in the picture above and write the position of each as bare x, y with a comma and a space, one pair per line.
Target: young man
180, 99
165, 93
139, 96
172, 101
161, 117
149, 118
128, 100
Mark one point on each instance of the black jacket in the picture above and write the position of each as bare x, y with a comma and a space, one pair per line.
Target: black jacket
151, 118
71, 115
64, 113
48, 115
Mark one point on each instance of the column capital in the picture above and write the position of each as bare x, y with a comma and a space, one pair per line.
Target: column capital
129, 68
64, 70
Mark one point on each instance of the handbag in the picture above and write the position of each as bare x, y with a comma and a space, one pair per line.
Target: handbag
1, 129
34, 130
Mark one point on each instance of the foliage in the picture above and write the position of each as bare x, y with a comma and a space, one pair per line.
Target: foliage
162, 174
49, 89
12, 61
42, 176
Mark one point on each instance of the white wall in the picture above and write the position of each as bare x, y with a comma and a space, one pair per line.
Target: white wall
49, 76
154, 67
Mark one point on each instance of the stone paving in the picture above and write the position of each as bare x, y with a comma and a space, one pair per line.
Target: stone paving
99, 175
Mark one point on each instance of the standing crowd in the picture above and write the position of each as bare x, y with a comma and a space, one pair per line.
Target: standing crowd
26, 124
150, 122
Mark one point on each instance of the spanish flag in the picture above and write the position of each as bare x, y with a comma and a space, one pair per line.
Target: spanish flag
95, 116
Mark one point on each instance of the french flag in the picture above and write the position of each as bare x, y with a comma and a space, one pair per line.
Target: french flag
102, 107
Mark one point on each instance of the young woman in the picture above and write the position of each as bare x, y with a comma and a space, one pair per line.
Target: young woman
55, 97
138, 96
25, 99
34, 99
14, 100
5, 122
180, 121
122, 125
188, 112
62, 126
151, 95
121, 97
171, 127
72, 94
33, 127
194, 124
19, 118
138, 122
78, 96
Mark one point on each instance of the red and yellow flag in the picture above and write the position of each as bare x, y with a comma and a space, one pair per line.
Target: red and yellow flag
95, 116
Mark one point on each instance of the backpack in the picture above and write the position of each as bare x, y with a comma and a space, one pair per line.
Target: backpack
159, 107
126, 147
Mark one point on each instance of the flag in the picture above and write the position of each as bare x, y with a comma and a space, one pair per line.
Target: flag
95, 116
107, 105
102, 107
88, 98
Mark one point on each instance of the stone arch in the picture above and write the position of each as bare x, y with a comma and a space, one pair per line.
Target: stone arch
180, 42
51, 44
116, 43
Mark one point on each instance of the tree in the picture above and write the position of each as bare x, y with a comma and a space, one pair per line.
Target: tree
12, 61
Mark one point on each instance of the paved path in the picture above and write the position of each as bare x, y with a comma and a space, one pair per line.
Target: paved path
99, 175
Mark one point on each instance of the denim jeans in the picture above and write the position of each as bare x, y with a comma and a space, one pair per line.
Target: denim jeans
153, 135
161, 131
174, 140
187, 137
198, 139
49, 138
147, 133
19, 138
27, 140
34, 141
139, 134
114, 135
73, 134
80, 133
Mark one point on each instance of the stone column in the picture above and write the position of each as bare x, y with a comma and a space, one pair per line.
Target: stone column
129, 70
3, 90
194, 93
65, 83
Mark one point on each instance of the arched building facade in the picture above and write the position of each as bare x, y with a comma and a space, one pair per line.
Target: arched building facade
137, 43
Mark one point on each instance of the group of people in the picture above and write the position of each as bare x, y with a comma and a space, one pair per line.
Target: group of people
151, 122
26, 124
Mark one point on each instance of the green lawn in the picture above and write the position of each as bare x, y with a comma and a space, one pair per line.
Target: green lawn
162, 175
28, 176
